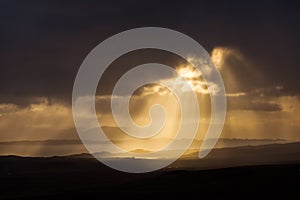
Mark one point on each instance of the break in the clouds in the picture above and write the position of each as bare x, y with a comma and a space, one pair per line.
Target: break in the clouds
41, 118
254, 47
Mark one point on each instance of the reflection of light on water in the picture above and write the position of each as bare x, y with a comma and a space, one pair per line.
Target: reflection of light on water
146, 158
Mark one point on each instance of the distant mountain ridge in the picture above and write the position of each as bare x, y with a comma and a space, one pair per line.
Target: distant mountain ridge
48, 148
270, 154
53, 141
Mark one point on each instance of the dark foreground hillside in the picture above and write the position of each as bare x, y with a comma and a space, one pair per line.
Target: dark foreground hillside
84, 177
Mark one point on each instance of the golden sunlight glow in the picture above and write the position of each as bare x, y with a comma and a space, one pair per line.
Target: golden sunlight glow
218, 56
187, 71
139, 107
37, 107
151, 94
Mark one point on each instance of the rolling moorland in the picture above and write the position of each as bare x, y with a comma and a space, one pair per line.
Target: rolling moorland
251, 171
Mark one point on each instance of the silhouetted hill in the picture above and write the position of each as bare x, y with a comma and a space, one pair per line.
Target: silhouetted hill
69, 147
243, 156
274, 172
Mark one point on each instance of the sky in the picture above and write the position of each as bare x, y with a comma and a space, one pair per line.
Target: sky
43, 43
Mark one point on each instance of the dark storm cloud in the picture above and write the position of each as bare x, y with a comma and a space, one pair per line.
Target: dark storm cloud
44, 42
251, 103
259, 99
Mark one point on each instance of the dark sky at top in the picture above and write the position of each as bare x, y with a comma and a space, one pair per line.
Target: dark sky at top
44, 42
